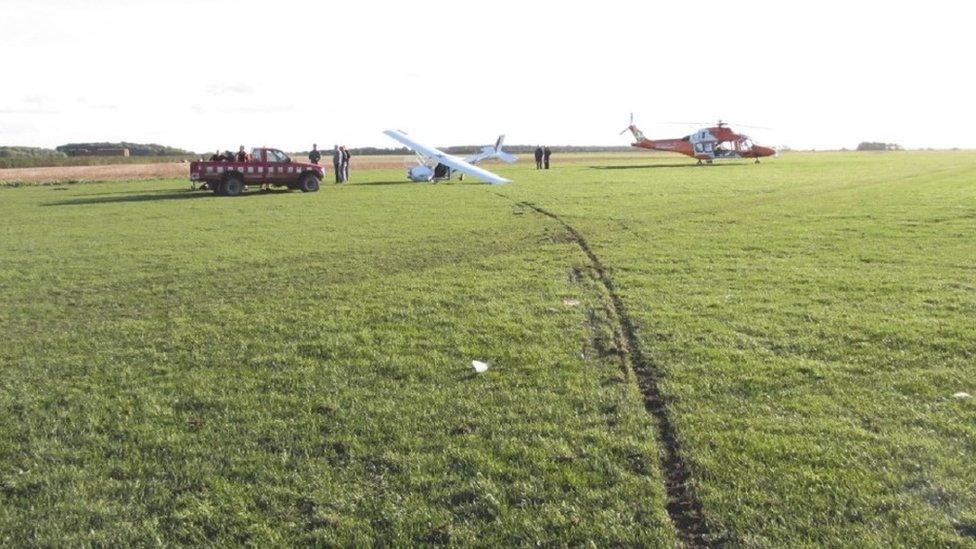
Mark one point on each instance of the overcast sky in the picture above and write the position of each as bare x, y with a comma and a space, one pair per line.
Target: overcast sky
202, 74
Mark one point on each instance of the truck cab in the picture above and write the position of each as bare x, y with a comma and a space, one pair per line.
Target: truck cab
266, 166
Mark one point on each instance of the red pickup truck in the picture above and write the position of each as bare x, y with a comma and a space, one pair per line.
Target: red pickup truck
266, 166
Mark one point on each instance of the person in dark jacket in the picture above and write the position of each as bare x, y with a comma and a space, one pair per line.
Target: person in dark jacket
242, 156
216, 157
546, 153
538, 157
345, 163
315, 155
337, 163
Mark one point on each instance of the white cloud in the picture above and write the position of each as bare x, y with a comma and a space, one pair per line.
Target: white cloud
223, 88
199, 74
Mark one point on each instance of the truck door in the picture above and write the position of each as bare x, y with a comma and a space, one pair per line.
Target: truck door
703, 149
277, 167
704, 144
255, 169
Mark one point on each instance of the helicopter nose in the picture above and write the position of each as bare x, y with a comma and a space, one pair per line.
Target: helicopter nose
764, 151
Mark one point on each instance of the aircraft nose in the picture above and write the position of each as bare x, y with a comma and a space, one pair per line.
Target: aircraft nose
764, 151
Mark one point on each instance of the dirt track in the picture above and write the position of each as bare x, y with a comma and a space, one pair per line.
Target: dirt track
178, 170
93, 173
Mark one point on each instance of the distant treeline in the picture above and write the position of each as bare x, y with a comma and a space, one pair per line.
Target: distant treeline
528, 149
135, 149
139, 153
872, 146
470, 149
73, 154
29, 152
58, 160
29, 157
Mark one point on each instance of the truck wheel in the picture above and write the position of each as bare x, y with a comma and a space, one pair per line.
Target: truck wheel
232, 186
308, 183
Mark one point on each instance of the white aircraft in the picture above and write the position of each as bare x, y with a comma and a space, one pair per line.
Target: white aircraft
434, 164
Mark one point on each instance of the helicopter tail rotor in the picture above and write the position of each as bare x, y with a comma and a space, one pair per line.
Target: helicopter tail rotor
628, 128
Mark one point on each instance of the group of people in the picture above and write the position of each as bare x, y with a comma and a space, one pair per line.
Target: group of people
542, 157
227, 156
340, 161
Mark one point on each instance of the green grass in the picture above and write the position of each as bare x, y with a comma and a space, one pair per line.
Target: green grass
283, 368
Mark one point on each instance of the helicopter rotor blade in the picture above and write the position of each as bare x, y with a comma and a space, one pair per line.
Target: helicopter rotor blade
724, 122
753, 127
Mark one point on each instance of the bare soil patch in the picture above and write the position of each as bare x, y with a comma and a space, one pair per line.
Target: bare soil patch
59, 174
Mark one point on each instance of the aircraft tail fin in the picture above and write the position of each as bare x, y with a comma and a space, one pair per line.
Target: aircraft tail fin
491, 152
502, 155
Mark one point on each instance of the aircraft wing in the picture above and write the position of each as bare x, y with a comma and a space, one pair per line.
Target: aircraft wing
415, 146
459, 165
451, 161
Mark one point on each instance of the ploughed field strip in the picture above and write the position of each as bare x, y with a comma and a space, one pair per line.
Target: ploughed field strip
683, 505
757, 355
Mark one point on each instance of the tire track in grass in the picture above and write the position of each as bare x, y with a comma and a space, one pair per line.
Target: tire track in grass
683, 507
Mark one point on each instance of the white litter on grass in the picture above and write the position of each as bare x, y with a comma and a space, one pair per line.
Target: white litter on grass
479, 367
962, 395
571, 302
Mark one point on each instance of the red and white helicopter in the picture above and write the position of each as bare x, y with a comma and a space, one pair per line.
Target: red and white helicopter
706, 145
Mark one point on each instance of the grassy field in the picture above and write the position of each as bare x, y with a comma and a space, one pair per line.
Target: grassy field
754, 355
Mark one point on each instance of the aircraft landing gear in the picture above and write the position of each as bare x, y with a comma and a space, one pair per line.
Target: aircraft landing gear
699, 162
757, 160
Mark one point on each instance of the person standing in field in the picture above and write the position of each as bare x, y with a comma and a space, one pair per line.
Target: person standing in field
315, 155
337, 163
345, 163
546, 153
538, 157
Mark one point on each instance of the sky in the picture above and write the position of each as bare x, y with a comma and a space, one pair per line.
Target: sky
207, 74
